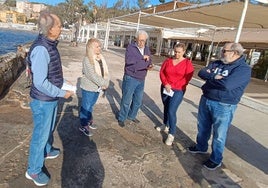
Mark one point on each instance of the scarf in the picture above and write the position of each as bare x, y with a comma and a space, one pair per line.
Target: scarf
97, 66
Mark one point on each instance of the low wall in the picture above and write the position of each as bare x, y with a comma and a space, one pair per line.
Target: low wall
11, 66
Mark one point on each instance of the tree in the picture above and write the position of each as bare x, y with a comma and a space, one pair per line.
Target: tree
143, 3
60, 11
99, 13
118, 4
118, 8
71, 11
10, 3
93, 10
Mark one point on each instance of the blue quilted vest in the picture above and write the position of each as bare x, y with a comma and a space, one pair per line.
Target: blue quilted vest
55, 75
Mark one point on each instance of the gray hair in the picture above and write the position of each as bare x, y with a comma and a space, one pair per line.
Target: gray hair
142, 32
45, 22
237, 47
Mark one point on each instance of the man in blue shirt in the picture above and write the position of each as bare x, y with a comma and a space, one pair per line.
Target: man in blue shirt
47, 80
226, 80
137, 62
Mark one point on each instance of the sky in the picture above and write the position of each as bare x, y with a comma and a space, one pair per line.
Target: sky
98, 2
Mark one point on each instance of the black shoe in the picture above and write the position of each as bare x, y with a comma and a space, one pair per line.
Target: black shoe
211, 165
193, 149
121, 123
85, 130
135, 120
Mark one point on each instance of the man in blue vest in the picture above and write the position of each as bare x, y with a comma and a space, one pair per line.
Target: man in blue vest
47, 80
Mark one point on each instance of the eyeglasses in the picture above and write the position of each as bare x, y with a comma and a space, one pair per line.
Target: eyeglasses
141, 40
223, 51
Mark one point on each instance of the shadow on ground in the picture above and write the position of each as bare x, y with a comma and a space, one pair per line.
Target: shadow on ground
81, 166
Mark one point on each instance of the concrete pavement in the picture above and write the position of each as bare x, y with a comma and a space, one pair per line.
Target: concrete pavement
134, 156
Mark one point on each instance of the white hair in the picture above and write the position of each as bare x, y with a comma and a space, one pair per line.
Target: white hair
45, 22
142, 32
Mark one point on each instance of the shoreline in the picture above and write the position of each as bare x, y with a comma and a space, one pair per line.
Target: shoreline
17, 29
20, 27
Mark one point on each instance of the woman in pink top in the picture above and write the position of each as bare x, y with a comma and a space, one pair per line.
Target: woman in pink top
175, 74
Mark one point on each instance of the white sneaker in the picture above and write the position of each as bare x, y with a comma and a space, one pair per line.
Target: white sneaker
166, 129
162, 127
169, 140
159, 128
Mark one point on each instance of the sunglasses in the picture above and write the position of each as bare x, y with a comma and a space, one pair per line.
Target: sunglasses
224, 51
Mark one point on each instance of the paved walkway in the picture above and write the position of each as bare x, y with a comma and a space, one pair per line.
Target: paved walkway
134, 156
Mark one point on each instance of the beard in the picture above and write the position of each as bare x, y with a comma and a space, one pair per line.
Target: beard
224, 60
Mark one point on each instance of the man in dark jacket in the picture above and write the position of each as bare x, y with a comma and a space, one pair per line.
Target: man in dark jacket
226, 80
137, 62
47, 80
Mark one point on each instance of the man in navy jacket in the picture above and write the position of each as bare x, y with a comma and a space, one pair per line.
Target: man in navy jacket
226, 80
137, 62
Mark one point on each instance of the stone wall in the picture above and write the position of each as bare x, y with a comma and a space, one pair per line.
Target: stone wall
11, 66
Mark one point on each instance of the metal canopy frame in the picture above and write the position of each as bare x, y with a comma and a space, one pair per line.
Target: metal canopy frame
223, 13
212, 15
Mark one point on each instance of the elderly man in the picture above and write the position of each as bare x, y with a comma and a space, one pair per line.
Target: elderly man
137, 62
47, 80
226, 80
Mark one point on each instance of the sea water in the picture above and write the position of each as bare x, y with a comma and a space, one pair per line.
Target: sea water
10, 39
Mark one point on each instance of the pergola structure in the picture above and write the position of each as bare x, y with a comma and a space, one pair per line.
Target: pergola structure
216, 21
216, 14
213, 22
209, 20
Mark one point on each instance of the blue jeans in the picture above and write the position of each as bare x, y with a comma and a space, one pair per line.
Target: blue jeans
171, 105
44, 117
132, 93
89, 99
217, 117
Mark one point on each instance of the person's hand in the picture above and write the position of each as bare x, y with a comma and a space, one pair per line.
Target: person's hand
168, 87
103, 87
218, 77
68, 94
146, 57
150, 67
68, 82
208, 70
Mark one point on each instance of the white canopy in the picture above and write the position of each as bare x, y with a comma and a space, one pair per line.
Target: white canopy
220, 16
